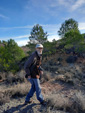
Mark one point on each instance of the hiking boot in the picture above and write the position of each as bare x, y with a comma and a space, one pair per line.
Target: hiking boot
43, 103
28, 102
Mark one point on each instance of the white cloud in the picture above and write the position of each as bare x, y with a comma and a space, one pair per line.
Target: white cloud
55, 7
22, 42
20, 37
72, 5
17, 37
78, 4
82, 26
25, 41
3, 16
64, 2
48, 6
51, 37
51, 28
20, 27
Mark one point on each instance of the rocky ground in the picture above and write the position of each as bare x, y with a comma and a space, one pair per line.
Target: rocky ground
63, 87
56, 90
48, 88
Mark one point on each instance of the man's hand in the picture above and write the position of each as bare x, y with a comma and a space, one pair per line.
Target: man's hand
41, 72
29, 77
37, 76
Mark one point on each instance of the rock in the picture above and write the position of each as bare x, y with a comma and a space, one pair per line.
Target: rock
61, 70
58, 63
56, 72
68, 75
78, 69
60, 77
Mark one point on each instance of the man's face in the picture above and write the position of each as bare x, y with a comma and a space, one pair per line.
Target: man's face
39, 50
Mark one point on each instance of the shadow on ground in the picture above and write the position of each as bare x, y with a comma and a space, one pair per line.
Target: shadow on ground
22, 108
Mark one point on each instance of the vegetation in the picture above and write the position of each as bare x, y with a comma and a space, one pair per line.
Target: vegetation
38, 35
10, 55
62, 83
31, 46
67, 26
49, 48
71, 38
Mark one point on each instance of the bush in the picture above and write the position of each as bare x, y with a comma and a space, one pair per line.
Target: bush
79, 102
18, 90
10, 55
74, 104
73, 41
3, 76
17, 78
4, 98
46, 76
71, 59
58, 101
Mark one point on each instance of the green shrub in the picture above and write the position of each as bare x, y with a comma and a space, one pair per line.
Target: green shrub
10, 55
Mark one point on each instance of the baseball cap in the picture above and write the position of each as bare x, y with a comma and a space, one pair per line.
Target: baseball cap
39, 46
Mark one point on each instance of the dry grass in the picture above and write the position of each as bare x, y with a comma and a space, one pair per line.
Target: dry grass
3, 76
46, 76
18, 90
49, 110
4, 98
79, 102
75, 104
58, 101
60, 77
11, 78
65, 78
18, 77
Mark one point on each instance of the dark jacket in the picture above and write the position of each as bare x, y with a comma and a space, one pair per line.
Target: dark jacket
31, 65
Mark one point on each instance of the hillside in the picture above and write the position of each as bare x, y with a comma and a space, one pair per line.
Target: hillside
25, 49
1, 45
63, 87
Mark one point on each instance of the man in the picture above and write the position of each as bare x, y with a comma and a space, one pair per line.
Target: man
33, 71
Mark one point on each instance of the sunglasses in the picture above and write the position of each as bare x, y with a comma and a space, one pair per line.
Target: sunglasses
40, 48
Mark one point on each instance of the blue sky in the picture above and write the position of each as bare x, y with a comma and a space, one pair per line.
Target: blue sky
17, 17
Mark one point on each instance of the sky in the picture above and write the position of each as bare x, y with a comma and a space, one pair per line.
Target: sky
17, 17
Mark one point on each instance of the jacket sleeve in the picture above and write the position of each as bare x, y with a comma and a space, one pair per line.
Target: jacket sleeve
40, 68
28, 64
